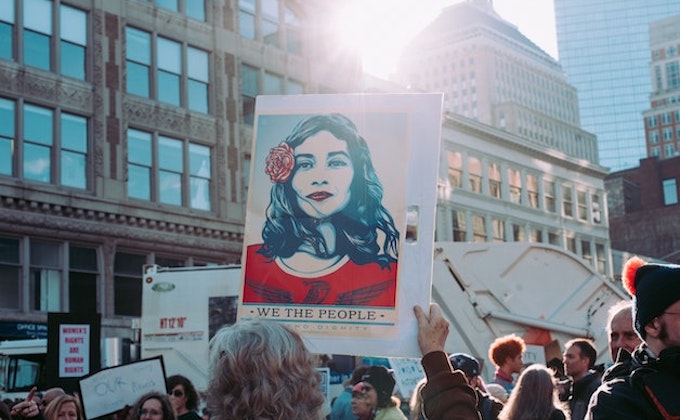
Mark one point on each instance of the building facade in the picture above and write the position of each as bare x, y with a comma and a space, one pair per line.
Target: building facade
644, 211
126, 129
125, 132
604, 50
490, 72
662, 119
496, 187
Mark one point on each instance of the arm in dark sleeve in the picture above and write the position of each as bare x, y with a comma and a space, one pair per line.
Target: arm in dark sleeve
447, 395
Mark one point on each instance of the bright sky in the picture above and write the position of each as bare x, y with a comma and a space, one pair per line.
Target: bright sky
383, 27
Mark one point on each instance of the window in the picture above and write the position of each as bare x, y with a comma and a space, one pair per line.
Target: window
49, 156
45, 275
181, 73
7, 29
498, 227
586, 253
41, 20
478, 228
553, 238
270, 84
194, 9
73, 42
168, 170
668, 134
459, 226
515, 185
127, 268
249, 90
266, 21
655, 151
601, 258
82, 279
596, 208
669, 150
670, 192
652, 121
654, 137
494, 180
571, 243
536, 235
567, 201
475, 170
673, 75
549, 196
582, 205
532, 191
665, 118
455, 164
10, 273
518, 233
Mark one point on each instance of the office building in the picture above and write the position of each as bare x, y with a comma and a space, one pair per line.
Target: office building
644, 211
604, 50
515, 165
490, 72
125, 133
662, 118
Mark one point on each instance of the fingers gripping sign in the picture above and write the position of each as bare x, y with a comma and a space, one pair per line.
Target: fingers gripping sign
432, 329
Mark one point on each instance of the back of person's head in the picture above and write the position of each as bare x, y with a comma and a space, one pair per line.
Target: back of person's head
189, 390
468, 364
53, 408
508, 346
497, 391
260, 369
358, 372
534, 396
166, 406
50, 395
587, 348
416, 402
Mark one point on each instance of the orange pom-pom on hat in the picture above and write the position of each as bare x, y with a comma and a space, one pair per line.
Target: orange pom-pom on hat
628, 274
654, 287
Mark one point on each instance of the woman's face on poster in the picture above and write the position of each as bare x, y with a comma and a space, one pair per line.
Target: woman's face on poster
323, 175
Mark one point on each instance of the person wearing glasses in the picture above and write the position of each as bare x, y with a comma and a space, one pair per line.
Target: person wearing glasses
648, 389
152, 405
183, 397
372, 397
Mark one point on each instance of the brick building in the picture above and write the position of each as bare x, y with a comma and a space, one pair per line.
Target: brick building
644, 213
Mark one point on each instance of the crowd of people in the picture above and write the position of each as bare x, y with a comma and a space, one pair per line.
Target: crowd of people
262, 370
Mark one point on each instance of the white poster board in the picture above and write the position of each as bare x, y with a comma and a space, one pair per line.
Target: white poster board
111, 389
339, 231
181, 310
74, 350
407, 372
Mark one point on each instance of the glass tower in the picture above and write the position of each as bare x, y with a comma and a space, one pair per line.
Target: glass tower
604, 49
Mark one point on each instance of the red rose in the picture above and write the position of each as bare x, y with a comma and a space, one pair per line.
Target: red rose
280, 163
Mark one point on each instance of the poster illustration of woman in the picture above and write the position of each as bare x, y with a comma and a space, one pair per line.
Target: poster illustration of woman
326, 238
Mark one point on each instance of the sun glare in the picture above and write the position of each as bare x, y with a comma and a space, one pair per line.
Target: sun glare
379, 29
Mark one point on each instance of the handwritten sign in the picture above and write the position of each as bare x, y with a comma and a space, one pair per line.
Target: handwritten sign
110, 390
407, 372
74, 350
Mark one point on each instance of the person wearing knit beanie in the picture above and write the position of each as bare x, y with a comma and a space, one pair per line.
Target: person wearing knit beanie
654, 288
644, 384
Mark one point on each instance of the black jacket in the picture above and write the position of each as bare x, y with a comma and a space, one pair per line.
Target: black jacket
641, 387
581, 393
